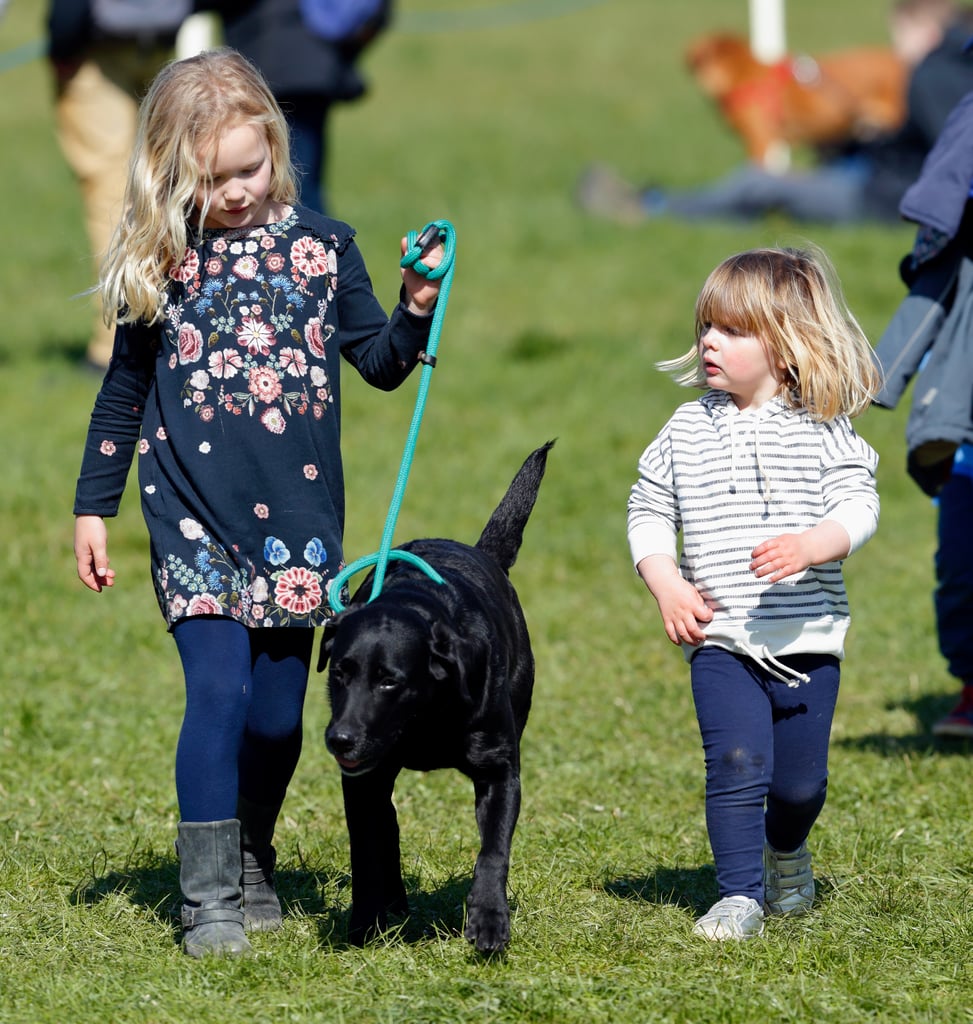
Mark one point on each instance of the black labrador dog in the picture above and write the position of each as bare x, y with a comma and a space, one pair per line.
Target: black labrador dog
435, 675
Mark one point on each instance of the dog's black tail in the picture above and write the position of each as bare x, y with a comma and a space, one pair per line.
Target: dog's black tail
504, 532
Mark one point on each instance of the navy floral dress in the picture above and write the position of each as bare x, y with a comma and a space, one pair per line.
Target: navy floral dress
233, 405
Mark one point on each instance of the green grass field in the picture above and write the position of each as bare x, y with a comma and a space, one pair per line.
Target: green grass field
483, 113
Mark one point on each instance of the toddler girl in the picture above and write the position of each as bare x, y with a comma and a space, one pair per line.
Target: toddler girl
771, 489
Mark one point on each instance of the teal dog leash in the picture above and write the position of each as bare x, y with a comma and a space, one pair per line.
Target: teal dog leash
417, 242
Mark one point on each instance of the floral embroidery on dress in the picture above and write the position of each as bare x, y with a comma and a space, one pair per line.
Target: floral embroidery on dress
212, 585
209, 585
246, 346
256, 360
297, 590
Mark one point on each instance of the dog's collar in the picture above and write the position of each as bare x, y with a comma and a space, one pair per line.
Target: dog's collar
763, 91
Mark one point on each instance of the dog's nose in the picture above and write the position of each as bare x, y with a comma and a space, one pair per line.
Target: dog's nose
339, 741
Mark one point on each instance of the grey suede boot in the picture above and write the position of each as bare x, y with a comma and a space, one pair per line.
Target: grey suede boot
210, 874
261, 907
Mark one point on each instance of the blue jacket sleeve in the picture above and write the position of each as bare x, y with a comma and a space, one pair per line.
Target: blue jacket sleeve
938, 197
915, 325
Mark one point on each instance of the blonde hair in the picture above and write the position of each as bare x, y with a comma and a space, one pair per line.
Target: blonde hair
189, 106
792, 301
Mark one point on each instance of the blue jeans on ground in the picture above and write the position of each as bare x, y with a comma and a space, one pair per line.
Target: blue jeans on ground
831, 194
953, 597
766, 750
242, 730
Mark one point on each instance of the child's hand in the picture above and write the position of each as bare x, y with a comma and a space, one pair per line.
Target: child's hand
792, 553
91, 551
421, 292
683, 610
779, 557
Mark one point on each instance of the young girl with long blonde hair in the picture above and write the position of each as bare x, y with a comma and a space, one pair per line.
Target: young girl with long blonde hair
771, 489
234, 305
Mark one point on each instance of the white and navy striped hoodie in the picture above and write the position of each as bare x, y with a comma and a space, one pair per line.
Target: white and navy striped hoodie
728, 480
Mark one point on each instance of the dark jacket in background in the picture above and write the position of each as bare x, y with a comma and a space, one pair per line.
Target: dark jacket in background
938, 198
72, 27
295, 61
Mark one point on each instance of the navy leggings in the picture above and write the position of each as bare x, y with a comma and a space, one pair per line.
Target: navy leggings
241, 732
766, 750
954, 575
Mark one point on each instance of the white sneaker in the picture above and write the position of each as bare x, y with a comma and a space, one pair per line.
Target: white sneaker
788, 881
734, 917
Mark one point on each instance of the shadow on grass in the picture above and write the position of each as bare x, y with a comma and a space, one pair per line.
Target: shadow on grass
153, 885
69, 350
55, 346
692, 888
433, 914
925, 710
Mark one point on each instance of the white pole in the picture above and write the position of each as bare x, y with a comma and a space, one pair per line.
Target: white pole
197, 33
768, 39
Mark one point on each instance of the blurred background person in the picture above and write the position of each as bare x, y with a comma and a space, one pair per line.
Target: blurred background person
104, 53
864, 182
308, 51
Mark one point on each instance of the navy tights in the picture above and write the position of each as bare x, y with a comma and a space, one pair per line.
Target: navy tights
954, 573
241, 732
766, 750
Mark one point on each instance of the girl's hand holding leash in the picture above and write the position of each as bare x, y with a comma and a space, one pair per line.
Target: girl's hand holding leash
91, 551
420, 291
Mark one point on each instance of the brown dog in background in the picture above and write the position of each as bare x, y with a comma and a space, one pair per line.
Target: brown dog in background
845, 96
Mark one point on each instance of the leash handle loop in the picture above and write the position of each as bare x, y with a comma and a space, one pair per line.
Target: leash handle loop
417, 243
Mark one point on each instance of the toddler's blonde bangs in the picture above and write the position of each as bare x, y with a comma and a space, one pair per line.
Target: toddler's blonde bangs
736, 295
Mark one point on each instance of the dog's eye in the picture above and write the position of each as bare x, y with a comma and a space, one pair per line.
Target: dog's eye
340, 673
387, 683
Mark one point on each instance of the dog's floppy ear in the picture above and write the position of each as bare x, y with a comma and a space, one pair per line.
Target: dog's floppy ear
451, 657
327, 640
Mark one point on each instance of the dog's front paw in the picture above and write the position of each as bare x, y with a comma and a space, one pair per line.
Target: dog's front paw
398, 906
488, 928
368, 924
365, 926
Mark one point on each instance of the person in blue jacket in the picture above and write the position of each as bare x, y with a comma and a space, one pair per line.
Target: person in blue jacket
930, 338
235, 306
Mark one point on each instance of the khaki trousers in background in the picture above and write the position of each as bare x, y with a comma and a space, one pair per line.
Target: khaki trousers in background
96, 113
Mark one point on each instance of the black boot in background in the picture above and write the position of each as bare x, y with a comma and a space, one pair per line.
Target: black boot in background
261, 907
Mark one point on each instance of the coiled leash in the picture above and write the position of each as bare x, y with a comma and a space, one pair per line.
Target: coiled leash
445, 233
